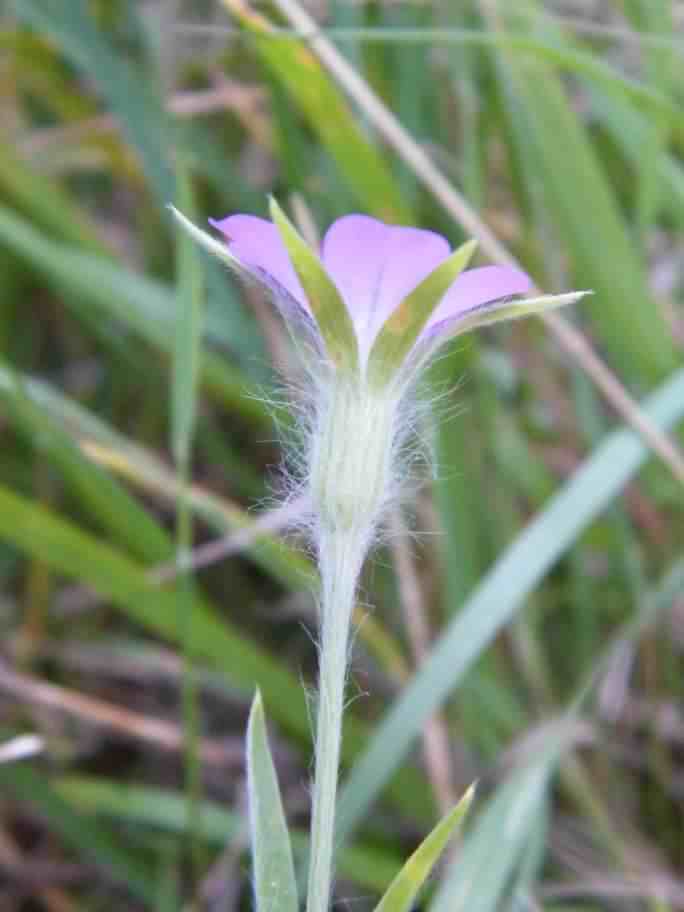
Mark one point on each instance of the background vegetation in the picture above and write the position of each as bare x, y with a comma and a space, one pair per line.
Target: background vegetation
530, 636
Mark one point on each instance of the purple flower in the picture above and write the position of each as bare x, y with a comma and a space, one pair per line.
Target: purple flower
380, 300
374, 267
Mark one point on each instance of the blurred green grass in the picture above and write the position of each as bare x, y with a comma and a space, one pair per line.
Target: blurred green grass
552, 579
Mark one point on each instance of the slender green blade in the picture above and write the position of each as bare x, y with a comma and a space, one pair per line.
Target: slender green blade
324, 299
275, 884
164, 810
109, 447
75, 554
402, 328
188, 337
496, 846
582, 204
47, 204
108, 502
80, 832
405, 887
328, 114
142, 305
73, 28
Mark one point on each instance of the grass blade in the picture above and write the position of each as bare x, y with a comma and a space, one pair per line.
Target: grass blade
328, 114
187, 340
84, 835
496, 846
142, 305
625, 316
77, 555
47, 205
73, 29
402, 892
275, 884
164, 810
184, 391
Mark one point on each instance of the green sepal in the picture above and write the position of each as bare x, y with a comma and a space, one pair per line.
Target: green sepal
210, 244
325, 302
400, 331
498, 311
275, 884
401, 893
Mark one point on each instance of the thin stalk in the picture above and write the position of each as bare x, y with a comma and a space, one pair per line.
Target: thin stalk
189, 689
187, 347
341, 554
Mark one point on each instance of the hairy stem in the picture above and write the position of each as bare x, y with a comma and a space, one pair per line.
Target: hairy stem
351, 476
341, 554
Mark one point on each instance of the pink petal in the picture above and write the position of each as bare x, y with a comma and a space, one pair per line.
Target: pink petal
375, 266
256, 243
473, 289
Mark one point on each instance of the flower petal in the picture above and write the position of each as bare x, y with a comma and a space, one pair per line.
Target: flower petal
375, 266
474, 289
256, 243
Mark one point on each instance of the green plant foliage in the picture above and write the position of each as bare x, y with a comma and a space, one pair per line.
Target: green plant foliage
324, 299
403, 890
147, 401
402, 328
559, 147
87, 837
164, 811
139, 304
327, 112
275, 886
500, 593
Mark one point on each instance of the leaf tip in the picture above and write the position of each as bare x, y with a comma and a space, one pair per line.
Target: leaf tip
257, 702
469, 795
469, 249
275, 209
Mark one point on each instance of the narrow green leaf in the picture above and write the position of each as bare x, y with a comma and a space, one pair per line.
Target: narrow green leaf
604, 257
503, 590
594, 69
402, 328
496, 845
275, 884
46, 203
514, 819
140, 304
133, 99
75, 554
143, 805
186, 355
328, 114
188, 337
147, 470
81, 833
631, 130
405, 887
324, 299
112, 506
